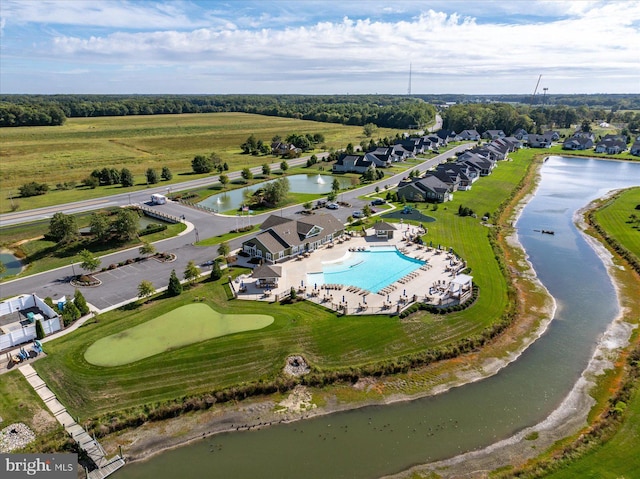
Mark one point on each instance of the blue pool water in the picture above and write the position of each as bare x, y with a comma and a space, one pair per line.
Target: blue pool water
371, 270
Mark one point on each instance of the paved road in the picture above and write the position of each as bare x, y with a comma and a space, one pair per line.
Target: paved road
122, 199
120, 285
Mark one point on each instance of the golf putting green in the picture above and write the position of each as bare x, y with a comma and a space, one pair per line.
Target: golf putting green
183, 326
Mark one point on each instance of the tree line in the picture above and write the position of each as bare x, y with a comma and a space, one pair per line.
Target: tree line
507, 117
383, 110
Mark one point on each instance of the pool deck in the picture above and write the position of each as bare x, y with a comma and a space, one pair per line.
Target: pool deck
429, 283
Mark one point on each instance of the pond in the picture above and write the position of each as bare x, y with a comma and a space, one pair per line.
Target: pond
12, 264
378, 440
313, 184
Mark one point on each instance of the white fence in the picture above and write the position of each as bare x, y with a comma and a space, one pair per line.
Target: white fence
28, 333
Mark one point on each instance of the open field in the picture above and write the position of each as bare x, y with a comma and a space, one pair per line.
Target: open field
70, 152
327, 341
188, 324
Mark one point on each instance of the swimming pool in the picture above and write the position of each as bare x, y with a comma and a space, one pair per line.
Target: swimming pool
371, 270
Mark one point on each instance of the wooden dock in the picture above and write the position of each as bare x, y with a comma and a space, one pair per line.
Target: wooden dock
85, 441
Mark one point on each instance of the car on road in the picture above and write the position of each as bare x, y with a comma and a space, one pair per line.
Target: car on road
378, 201
358, 214
333, 206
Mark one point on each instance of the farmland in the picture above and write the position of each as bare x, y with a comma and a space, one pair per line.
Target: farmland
71, 152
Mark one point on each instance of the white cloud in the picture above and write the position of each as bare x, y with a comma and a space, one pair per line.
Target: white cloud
591, 40
92, 13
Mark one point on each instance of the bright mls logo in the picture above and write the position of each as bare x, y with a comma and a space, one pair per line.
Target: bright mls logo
51, 466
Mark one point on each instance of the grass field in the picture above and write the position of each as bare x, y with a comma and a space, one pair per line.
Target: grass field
620, 456
70, 152
327, 341
185, 325
615, 219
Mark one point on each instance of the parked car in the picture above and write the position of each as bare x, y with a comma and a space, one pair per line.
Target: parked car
358, 214
378, 201
333, 206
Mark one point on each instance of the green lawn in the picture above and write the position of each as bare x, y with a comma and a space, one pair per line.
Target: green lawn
615, 218
188, 324
326, 340
70, 152
18, 401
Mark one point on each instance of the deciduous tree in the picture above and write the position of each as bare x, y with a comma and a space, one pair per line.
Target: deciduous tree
146, 289
88, 261
191, 272
63, 228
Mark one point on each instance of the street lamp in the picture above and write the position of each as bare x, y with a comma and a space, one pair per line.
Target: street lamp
74, 270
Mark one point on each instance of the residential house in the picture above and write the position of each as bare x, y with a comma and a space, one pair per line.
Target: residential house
552, 134
635, 148
382, 157
584, 134
282, 238
577, 143
430, 188
515, 144
482, 163
447, 135
461, 174
469, 135
281, 148
521, 134
352, 164
612, 144
402, 153
539, 141
493, 134
415, 146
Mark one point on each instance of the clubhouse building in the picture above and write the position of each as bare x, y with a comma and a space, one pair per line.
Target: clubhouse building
282, 238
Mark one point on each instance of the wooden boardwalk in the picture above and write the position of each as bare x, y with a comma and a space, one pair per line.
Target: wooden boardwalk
77, 432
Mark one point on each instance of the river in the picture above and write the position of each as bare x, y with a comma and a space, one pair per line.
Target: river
378, 440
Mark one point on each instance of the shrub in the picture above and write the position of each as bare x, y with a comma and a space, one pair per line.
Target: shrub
175, 287
39, 330
33, 189
152, 228
216, 272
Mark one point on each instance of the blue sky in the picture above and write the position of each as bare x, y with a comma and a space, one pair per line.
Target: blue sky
319, 47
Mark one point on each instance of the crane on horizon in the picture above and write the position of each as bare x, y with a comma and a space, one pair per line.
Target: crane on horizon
535, 90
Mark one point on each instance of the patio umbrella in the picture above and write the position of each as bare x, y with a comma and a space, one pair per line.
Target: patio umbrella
315, 285
343, 299
301, 283
404, 292
389, 298
364, 299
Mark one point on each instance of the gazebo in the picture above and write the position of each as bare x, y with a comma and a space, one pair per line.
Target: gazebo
267, 276
384, 229
461, 285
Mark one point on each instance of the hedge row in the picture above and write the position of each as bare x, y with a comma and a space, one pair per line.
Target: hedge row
152, 228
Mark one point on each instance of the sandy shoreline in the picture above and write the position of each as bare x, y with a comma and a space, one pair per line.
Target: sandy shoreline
153, 438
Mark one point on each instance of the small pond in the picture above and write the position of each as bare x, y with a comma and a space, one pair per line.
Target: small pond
12, 264
314, 184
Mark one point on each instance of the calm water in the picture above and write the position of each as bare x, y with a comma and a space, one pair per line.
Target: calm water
373, 441
13, 264
370, 270
317, 184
